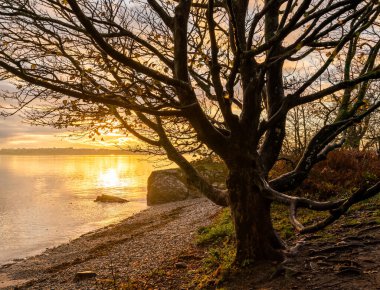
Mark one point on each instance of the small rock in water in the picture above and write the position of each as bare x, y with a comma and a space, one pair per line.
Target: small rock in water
110, 198
180, 265
79, 276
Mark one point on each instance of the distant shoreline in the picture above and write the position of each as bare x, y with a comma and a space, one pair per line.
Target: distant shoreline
65, 151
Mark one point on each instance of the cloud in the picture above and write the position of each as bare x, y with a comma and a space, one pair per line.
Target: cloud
16, 134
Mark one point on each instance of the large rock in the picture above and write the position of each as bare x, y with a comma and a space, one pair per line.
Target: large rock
166, 186
172, 185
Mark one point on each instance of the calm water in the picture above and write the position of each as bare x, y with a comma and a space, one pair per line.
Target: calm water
48, 200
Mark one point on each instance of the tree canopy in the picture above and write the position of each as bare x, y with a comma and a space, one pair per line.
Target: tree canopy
221, 76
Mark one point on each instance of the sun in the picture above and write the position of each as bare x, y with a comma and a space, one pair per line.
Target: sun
109, 178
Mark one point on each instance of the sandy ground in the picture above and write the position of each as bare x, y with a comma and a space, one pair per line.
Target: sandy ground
118, 254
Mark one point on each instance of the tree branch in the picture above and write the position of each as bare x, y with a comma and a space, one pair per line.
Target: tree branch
91, 30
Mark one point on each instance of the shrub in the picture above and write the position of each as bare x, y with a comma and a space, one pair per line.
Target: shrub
342, 171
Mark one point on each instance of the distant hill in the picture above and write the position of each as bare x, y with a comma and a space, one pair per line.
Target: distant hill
64, 151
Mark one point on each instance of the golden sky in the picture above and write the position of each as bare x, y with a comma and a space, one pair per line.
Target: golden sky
16, 134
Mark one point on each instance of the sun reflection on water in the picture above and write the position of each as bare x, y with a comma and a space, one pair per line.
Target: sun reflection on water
109, 178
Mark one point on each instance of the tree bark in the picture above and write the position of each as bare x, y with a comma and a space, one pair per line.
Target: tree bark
255, 237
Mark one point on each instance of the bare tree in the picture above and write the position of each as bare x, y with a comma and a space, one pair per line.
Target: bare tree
188, 75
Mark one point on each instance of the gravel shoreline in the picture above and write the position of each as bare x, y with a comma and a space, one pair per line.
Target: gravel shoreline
130, 249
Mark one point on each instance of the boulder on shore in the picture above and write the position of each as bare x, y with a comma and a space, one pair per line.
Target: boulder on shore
110, 198
170, 185
166, 186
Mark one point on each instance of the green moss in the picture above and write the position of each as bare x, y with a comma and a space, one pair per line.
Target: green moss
281, 221
221, 229
219, 238
216, 267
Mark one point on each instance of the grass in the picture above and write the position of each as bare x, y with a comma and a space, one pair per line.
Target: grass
219, 231
218, 238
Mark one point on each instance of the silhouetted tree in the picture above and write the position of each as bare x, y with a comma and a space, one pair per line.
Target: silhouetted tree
183, 75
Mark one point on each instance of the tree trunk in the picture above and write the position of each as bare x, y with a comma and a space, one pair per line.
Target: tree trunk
255, 237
